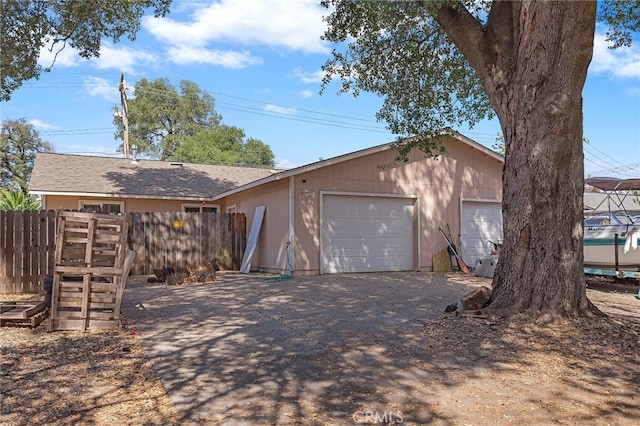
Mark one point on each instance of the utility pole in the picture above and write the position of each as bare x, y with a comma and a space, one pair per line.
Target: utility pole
125, 114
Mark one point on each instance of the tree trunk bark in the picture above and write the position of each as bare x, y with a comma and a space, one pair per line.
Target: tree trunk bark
534, 80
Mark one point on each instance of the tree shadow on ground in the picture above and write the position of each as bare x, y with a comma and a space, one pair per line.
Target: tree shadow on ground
77, 378
376, 347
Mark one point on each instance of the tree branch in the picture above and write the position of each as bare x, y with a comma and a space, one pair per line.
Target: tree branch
488, 48
462, 28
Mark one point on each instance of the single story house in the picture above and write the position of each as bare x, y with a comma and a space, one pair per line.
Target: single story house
358, 212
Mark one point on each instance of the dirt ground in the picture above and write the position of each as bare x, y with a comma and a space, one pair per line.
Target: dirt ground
579, 372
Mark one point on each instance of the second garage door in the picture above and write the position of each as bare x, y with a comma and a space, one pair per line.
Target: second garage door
366, 233
481, 221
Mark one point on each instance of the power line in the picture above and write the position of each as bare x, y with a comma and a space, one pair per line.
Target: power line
291, 116
305, 119
622, 170
77, 131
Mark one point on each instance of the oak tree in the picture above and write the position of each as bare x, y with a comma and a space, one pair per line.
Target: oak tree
160, 117
20, 143
224, 145
28, 26
438, 63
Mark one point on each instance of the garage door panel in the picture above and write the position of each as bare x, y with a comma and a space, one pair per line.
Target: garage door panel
387, 243
387, 263
349, 241
480, 222
349, 225
389, 226
366, 233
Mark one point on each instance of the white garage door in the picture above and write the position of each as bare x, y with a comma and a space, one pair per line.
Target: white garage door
480, 222
366, 234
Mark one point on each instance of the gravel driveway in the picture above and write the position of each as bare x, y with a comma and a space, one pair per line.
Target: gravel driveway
249, 349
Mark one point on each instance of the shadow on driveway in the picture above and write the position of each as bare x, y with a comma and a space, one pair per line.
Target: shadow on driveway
330, 349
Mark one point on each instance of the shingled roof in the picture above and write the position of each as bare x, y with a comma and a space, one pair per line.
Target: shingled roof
65, 174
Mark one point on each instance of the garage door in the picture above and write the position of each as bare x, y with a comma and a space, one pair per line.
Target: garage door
366, 234
480, 222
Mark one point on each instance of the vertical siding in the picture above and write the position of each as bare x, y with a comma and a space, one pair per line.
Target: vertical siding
271, 250
463, 172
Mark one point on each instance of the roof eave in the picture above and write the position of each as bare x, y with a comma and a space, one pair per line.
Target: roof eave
114, 195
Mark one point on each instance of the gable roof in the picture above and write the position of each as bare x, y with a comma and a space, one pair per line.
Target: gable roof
65, 174
357, 154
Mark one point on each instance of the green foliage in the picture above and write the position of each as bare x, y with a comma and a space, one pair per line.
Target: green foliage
224, 145
20, 143
29, 25
160, 118
18, 201
498, 145
622, 18
256, 153
399, 52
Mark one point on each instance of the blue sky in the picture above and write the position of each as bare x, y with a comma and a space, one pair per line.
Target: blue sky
261, 61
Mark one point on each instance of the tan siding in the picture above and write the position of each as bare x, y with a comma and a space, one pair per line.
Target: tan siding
64, 202
307, 218
438, 183
270, 254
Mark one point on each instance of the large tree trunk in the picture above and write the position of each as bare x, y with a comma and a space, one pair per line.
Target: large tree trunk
540, 111
534, 79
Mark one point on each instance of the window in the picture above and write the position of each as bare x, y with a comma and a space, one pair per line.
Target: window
200, 208
112, 207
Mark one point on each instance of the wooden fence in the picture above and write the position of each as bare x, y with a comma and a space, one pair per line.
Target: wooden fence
177, 240
27, 250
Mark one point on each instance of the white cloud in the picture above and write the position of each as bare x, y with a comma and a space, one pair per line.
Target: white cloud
42, 125
308, 77
67, 57
103, 88
286, 164
196, 55
123, 59
280, 110
294, 26
623, 62
305, 94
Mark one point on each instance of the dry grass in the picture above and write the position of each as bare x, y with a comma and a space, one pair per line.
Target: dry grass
69, 378
104, 378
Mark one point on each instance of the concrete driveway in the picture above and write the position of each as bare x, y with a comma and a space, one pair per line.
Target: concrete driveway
331, 349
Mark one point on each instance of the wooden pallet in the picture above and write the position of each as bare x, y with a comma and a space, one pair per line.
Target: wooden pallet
32, 312
92, 265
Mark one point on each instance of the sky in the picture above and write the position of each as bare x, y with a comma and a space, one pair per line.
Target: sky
261, 61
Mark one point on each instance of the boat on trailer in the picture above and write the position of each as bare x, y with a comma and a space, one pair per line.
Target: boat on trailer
611, 235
